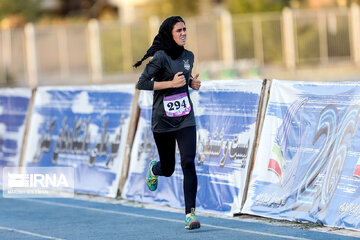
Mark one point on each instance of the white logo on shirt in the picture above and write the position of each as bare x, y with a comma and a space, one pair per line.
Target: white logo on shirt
186, 64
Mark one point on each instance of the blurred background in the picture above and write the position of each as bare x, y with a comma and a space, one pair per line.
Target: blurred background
76, 42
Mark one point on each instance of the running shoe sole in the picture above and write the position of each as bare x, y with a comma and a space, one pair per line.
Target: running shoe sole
193, 225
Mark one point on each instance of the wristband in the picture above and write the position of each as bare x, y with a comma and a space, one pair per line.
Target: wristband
190, 81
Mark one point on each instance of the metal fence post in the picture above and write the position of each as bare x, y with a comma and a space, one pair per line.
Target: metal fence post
154, 23
95, 51
31, 56
6, 53
126, 46
63, 53
227, 37
258, 40
289, 39
355, 32
323, 42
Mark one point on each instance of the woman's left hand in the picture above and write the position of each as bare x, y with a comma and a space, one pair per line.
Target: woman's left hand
196, 83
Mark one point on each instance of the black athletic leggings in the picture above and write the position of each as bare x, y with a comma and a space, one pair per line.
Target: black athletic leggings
186, 140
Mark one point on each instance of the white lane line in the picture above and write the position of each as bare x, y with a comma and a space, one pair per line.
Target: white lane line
29, 233
159, 218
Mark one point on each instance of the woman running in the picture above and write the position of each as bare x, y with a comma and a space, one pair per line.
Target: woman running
168, 73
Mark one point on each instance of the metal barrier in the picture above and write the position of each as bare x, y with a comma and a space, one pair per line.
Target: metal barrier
104, 52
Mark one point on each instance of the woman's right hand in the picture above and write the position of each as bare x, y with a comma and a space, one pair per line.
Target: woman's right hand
178, 80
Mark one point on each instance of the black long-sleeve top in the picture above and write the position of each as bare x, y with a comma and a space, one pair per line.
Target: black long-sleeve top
163, 68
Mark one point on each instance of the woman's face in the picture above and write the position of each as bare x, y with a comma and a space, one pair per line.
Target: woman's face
179, 33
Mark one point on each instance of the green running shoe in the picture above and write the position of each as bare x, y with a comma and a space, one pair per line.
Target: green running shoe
191, 222
151, 180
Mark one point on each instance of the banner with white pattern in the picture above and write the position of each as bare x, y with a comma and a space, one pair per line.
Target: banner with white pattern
84, 127
226, 114
307, 166
14, 108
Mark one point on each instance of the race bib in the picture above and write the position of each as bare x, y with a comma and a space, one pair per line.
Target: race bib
177, 105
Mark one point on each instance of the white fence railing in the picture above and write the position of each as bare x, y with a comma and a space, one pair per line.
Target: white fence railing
104, 52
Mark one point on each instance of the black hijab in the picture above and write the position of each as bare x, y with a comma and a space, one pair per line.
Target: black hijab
164, 41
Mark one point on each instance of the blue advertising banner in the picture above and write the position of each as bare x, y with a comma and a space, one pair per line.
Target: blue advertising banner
84, 128
14, 104
226, 113
307, 165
